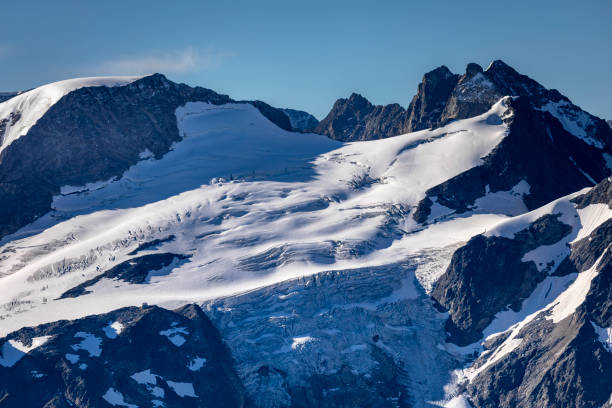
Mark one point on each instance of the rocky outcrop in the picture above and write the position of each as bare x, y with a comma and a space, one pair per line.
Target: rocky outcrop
427, 106
137, 270
355, 119
488, 274
145, 356
473, 94
586, 251
556, 365
300, 120
600, 194
562, 364
95, 134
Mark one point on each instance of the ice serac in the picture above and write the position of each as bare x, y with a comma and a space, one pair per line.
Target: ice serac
87, 361
80, 131
304, 252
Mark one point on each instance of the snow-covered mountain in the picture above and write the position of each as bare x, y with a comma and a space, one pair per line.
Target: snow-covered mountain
164, 245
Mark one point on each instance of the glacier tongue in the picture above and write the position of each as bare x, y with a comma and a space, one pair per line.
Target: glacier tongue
375, 325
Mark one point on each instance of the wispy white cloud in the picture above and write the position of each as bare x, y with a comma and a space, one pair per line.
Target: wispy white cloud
177, 62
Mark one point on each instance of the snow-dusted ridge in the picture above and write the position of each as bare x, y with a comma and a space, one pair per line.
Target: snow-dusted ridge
22, 111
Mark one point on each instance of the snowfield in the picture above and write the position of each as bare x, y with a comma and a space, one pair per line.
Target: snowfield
251, 204
299, 247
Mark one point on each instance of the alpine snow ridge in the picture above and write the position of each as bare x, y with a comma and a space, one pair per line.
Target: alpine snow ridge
166, 245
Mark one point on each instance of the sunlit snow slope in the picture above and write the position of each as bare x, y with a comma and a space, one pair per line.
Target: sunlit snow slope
249, 205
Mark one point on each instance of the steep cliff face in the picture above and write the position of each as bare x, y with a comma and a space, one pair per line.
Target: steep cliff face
561, 354
333, 274
472, 95
427, 106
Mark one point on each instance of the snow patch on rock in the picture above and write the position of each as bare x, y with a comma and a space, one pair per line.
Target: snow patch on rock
14, 350
116, 399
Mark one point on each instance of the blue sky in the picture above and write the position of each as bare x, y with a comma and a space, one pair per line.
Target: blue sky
306, 54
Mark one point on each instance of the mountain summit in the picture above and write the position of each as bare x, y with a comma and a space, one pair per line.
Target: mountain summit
443, 97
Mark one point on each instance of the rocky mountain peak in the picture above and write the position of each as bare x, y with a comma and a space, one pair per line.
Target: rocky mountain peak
355, 118
358, 102
473, 69
432, 93
436, 75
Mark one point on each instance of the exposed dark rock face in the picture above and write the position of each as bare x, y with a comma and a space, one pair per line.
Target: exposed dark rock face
136, 270
554, 366
274, 115
610, 123
556, 163
586, 251
173, 357
598, 303
600, 194
427, 105
487, 275
355, 119
94, 134
300, 120
473, 94
563, 364
550, 364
